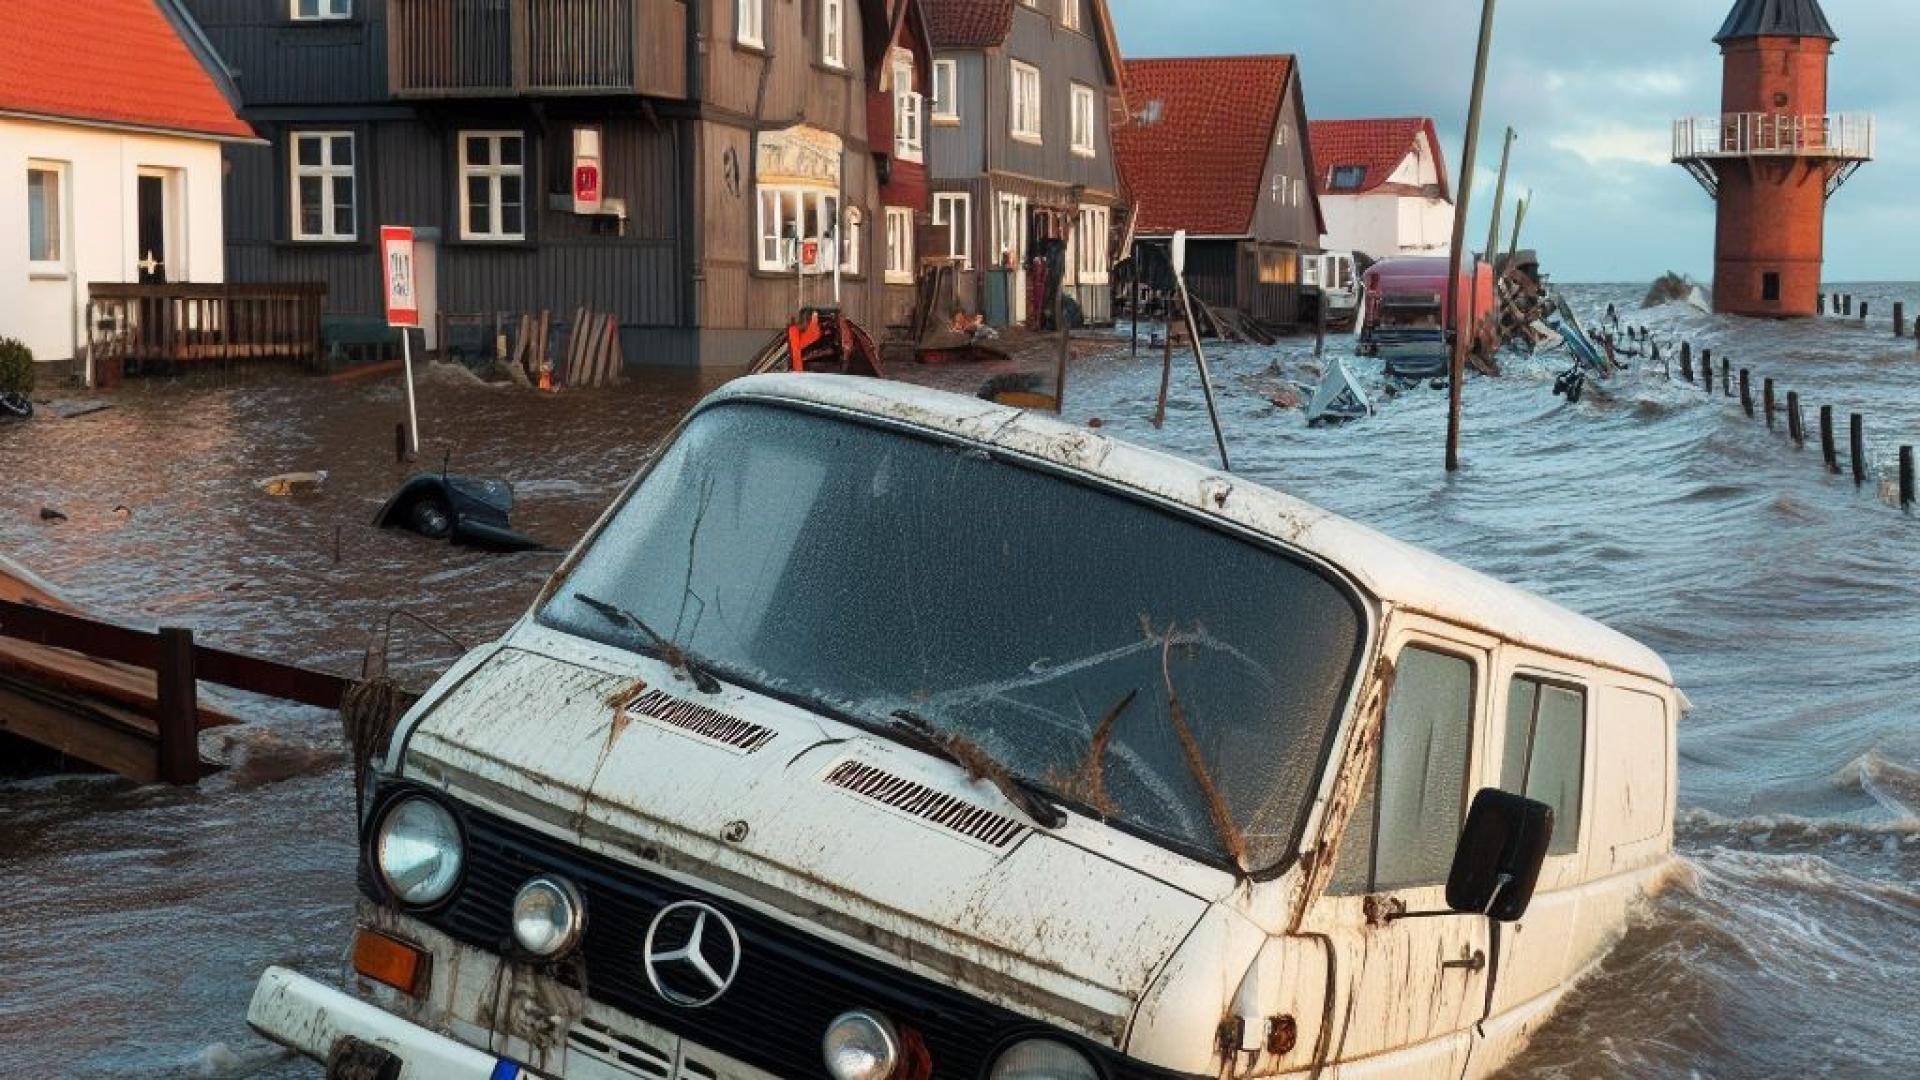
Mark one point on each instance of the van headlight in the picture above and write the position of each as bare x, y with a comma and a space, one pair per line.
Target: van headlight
861, 1045
418, 851
547, 917
1043, 1059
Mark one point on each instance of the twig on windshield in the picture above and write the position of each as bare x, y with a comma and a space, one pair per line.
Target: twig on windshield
1223, 823
1088, 784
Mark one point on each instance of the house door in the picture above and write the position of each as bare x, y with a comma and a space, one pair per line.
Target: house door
155, 214
1011, 245
1414, 976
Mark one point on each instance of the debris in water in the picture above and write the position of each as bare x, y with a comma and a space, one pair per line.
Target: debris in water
48, 513
1338, 398
465, 510
294, 483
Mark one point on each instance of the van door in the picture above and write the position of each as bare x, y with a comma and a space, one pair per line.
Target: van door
1411, 977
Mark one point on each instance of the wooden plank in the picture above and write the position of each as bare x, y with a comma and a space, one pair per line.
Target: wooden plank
78, 731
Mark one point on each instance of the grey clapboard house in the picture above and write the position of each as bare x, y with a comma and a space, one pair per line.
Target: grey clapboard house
1026, 96
1219, 149
730, 135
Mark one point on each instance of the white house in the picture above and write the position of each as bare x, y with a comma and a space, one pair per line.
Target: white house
110, 133
1383, 186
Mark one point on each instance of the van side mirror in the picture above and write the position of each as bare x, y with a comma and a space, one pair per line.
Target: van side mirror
1498, 860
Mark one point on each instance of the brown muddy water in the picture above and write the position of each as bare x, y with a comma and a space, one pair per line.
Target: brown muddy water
135, 919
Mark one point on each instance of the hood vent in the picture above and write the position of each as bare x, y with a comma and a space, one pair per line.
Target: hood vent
701, 722
918, 800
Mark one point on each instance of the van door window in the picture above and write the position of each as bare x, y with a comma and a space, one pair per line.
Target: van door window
1545, 753
1407, 822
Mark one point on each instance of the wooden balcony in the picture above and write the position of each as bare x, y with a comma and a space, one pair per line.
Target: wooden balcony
536, 48
167, 328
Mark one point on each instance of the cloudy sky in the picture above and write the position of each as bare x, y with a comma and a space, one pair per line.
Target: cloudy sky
1593, 89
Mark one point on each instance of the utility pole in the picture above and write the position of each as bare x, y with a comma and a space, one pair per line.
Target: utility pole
1519, 219
1499, 197
1458, 369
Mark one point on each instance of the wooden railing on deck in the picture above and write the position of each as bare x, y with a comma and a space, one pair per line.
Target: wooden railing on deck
175, 326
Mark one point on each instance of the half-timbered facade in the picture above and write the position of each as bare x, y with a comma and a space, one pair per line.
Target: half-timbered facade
1217, 150
1384, 186
698, 168
1026, 97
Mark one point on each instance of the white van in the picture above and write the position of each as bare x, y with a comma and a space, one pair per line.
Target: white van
878, 733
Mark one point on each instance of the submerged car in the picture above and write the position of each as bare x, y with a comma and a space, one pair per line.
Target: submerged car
879, 733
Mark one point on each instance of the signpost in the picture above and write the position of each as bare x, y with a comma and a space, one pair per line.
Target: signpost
403, 309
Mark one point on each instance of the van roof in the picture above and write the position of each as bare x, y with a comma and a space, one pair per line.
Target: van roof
1392, 571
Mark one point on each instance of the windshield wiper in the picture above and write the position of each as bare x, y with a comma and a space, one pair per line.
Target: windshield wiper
679, 658
1028, 796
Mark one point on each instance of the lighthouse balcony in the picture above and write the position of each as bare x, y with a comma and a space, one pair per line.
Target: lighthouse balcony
1841, 136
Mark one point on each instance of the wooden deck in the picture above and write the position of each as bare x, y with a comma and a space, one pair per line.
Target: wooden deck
168, 327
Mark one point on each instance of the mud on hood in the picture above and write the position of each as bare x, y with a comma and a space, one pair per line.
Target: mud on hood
866, 840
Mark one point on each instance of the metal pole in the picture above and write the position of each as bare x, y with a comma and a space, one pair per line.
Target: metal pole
413, 411
1206, 380
1459, 359
1519, 219
1136, 298
1499, 199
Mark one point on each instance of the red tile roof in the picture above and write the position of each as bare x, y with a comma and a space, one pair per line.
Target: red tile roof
1379, 145
969, 24
107, 61
1199, 166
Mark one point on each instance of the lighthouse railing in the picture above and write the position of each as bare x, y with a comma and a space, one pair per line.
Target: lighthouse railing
1838, 135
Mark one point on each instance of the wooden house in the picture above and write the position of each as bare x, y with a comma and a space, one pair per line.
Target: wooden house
1384, 186
1217, 149
1026, 98
697, 168
900, 77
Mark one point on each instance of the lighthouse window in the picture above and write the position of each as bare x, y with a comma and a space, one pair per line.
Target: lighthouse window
1770, 286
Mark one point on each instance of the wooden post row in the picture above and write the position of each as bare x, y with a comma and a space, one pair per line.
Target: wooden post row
1686, 360
1746, 393
1796, 423
1766, 397
1828, 452
1857, 447
1906, 476
177, 708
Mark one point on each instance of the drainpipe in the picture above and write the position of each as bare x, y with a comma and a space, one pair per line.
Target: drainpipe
692, 232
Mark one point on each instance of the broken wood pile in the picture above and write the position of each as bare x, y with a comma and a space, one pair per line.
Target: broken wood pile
592, 356
1228, 324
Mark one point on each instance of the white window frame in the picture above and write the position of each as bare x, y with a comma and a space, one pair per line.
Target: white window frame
323, 10
1024, 99
1083, 122
909, 113
330, 177
790, 202
954, 210
750, 23
851, 231
494, 172
1092, 241
833, 33
947, 109
1070, 14
900, 262
58, 223
1285, 132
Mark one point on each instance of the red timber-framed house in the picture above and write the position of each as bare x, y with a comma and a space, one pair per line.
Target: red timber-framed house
900, 98
736, 179
1026, 96
1218, 149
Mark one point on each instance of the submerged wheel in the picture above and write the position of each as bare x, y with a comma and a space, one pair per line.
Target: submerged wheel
431, 518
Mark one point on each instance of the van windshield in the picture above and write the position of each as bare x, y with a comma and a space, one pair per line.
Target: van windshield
1129, 662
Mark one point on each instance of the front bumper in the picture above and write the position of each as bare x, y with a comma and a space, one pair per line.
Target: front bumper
314, 1019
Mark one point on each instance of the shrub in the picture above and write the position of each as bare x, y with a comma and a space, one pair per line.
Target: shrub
16, 367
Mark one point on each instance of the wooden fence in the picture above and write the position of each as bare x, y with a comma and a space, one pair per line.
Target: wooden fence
170, 327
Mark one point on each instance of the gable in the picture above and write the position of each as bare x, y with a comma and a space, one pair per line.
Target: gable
1202, 164
1365, 154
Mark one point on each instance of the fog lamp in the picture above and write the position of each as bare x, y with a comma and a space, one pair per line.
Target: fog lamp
861, 1045
548, 917
1043, 1059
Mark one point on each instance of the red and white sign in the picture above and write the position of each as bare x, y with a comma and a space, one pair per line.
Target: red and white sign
809, 254
396, 256
587, 185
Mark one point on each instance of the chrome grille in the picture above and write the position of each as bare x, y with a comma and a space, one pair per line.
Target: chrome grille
918, 800
710, 725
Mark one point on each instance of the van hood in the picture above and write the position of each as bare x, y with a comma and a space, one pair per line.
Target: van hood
862, 840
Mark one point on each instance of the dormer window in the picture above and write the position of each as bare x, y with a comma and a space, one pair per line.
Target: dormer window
1347, 178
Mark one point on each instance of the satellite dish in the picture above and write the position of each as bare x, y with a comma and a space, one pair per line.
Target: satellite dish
1180, 253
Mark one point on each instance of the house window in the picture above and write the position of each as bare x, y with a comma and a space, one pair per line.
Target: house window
954, 211
899, 245
833, 33
749, 23
323, 186
321, 10
1083, 120
46, 218
850, 236
493, 183
1024, 109
1070, 14
908, 105
1090, 244
1278, 268
1347, 178
1770, 286
790, 218
1407, 822
946, 85
1545, 756
1285, 133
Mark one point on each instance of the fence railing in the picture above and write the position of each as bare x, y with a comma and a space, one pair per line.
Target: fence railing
174, 326
1848, 136
497, 48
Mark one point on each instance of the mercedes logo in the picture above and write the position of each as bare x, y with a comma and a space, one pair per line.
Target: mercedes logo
692, 954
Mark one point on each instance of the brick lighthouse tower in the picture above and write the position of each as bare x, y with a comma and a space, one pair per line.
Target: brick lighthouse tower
1773, 157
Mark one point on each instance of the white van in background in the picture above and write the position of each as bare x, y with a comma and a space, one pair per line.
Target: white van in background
884, 734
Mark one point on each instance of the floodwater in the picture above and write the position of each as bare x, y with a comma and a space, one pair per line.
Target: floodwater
1786, 599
